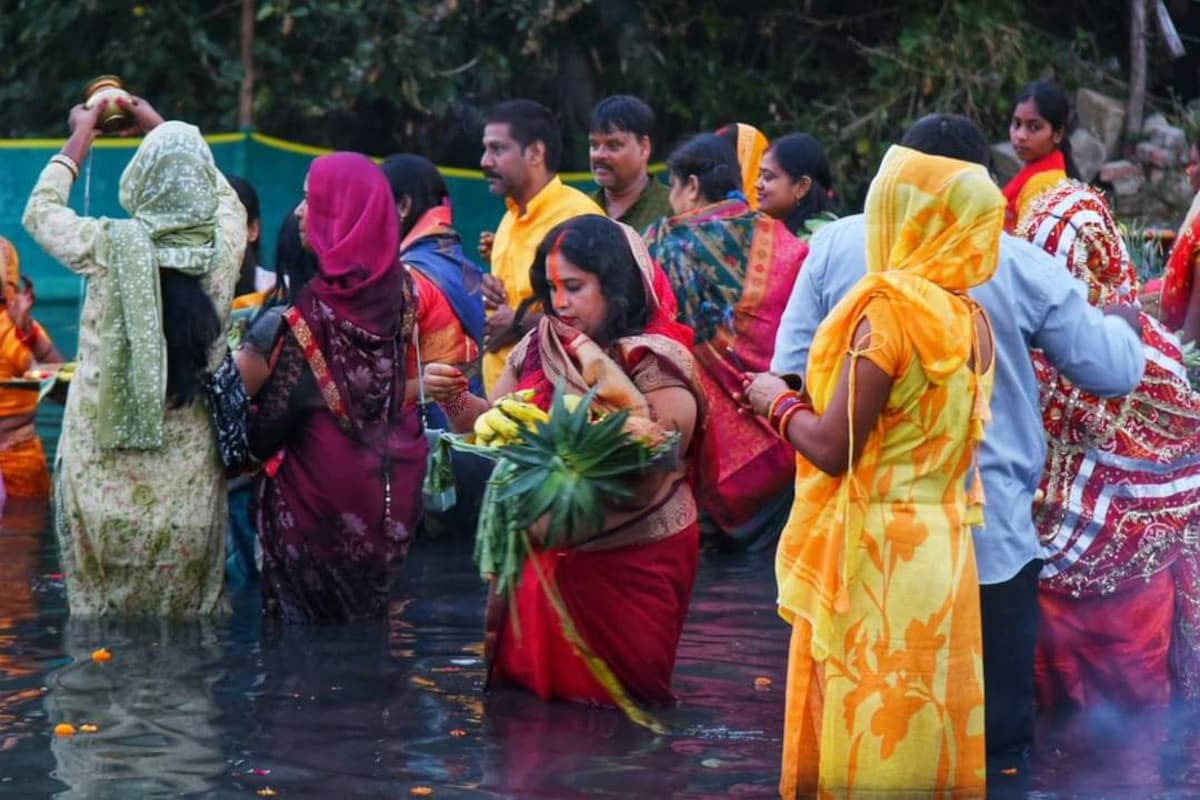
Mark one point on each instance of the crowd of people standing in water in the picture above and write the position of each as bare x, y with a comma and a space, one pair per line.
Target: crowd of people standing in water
971, 447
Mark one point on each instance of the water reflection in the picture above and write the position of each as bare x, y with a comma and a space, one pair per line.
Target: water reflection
152, 705
379, 710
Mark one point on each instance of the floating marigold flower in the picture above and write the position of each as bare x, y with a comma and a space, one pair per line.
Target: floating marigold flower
100, 655
64, 729
266, 791
421, 791
762, 682
88, 728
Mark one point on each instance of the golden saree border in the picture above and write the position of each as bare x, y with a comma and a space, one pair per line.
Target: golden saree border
316, 362
669, 516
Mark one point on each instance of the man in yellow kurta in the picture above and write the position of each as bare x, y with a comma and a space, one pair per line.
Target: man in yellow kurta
522, 145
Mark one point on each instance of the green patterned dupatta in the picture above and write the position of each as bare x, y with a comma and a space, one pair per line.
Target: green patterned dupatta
170, 191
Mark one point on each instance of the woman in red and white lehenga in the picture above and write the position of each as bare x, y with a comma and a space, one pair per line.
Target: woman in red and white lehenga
1118, 509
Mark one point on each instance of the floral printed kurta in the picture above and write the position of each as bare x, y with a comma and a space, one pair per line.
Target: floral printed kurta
139, 531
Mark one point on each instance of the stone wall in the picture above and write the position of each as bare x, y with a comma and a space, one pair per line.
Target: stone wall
1145, 180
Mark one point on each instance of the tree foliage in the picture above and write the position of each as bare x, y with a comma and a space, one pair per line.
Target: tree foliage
391, 75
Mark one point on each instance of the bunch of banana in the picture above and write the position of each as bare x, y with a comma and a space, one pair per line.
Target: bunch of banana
502, 424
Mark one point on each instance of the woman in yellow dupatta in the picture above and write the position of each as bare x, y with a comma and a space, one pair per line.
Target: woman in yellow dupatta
875, 568
750, 144
23, 343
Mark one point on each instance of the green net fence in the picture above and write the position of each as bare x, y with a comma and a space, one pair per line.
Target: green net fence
275, 167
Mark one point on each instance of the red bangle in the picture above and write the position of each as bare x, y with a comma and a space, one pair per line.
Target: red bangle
27, 339
780, 405
786, 418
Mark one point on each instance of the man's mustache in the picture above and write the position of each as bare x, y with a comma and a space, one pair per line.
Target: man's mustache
492, 176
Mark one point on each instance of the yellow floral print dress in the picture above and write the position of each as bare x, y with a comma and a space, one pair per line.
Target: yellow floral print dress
876, 568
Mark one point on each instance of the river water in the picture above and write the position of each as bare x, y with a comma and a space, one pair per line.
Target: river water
245, 708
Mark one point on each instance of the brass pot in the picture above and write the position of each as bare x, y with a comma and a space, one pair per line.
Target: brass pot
107, 89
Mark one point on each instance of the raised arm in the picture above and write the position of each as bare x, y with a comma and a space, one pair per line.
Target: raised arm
70, 239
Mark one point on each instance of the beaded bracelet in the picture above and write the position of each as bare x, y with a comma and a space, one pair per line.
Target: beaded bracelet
456, 405
64, 160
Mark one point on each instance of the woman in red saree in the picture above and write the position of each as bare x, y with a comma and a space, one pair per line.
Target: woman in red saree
1119, 499
335, 421
1038, 134
732, 271
609, 324
1179, 304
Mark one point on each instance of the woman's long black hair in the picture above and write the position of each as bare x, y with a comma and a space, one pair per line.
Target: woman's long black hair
597, 245
418, 179
1055, 107
250, 259
190, 326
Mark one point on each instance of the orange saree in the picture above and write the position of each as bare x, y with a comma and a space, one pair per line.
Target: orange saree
876, 568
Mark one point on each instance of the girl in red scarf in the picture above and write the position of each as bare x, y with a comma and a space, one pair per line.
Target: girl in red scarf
1038, 134
609, 324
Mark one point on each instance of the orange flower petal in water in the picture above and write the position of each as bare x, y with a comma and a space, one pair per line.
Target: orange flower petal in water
266, 791
64, 729
101, 655
421, 791
458, 733
762, 682
88, 728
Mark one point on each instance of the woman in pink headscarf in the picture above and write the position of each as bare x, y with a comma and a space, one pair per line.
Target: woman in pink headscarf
337, 421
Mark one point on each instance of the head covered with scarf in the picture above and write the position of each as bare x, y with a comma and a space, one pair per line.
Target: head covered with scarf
1072, 222
360, 307
169, 189
933, 232
750, 144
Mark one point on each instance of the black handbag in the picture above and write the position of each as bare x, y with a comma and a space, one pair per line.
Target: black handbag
230, 408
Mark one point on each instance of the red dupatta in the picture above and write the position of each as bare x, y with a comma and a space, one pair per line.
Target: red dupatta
1177, 277
1012, 190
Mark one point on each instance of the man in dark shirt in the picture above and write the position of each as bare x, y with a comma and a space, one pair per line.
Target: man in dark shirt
619, 148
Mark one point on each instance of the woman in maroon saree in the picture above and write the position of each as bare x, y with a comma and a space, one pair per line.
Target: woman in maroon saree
342, 441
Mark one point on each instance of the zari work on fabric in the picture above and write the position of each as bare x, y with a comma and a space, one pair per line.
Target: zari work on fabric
1180, 269
876, 569
1119, 500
